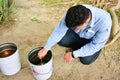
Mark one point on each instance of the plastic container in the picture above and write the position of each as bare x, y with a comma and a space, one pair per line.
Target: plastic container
41, 69
9, 59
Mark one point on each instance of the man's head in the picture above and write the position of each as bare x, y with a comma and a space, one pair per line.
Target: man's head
77, 17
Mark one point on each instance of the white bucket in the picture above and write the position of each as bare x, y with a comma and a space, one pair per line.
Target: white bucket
40, 71
9, 61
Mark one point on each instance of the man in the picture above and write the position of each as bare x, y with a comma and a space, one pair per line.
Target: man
84, 29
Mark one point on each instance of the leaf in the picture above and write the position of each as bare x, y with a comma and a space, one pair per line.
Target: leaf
5, 4
12, 5
35, 19
0, 17
0, 9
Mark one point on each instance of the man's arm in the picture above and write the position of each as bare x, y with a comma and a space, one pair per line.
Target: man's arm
55, 37
57, 34
98, 41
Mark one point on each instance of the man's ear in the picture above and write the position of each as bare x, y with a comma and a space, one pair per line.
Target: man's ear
85, 23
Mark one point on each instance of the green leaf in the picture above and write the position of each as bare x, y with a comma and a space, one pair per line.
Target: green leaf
5, 4
0, 9
12, 5
0, 17
35, 20
5, 9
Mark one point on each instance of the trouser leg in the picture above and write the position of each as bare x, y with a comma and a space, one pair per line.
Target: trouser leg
72, 40
89, 59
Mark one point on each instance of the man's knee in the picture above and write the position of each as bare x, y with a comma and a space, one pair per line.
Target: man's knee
86, 62
89, 59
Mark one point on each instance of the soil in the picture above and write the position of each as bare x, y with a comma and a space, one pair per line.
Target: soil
33, 23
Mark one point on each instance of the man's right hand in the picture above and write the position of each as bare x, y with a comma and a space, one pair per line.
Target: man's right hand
42, 53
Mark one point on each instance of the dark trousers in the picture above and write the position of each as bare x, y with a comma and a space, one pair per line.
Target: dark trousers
73, 41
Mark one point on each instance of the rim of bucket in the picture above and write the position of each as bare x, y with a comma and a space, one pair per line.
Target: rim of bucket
36, 49
8, 44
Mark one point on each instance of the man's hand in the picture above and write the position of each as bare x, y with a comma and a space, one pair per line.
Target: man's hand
68, 57
42, 53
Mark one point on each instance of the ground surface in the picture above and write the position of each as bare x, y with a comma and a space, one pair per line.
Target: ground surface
32, 26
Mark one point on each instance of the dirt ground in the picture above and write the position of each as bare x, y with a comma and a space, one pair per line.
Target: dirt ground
33, 24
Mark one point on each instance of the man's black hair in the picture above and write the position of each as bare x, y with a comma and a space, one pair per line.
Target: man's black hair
76, 16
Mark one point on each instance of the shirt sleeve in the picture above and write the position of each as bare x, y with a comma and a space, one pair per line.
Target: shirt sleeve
57, 34
98, 41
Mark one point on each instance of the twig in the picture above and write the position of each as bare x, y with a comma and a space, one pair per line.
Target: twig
113, 40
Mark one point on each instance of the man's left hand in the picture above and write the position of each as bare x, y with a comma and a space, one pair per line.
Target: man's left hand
68, 57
